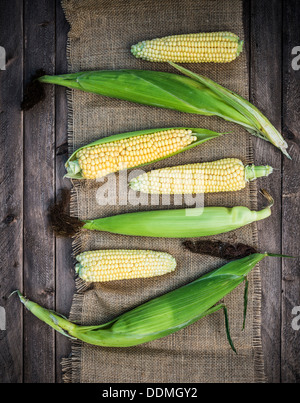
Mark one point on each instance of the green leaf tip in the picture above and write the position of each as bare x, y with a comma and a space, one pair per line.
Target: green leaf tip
21, 296
228, 329
245, 302
280, 255
256, 123
240, 47
15, 292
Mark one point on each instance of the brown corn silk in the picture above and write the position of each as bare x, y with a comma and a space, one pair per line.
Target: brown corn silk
199, 353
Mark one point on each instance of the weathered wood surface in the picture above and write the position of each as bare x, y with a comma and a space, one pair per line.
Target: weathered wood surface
290, 337
265, 92
33, 151
39, 187
11, 190
64, 259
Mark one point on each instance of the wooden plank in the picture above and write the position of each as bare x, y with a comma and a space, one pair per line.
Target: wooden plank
65, 285
39, 245
265, 85
11, 190
290, 367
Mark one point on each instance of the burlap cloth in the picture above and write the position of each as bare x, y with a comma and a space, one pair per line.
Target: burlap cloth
100, 37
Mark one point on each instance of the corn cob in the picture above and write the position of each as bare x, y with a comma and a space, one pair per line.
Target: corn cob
133, 149
218, 176
162, 315
102, 159
109, 265
190, 93
217, 47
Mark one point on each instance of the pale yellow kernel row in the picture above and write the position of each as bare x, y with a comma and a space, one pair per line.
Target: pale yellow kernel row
109, 265
202, 47
218, 176
102, 159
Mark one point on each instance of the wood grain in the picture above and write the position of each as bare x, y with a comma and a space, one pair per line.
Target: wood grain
65, 274
39, 187
11, 190
290, 363
265, 89
33, 149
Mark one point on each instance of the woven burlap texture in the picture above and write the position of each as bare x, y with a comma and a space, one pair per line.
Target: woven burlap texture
100, 37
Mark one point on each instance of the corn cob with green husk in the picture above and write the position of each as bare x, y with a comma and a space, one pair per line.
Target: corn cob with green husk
133, 149
171, 223
109, 265
225, 175
162, 315
217, 47
190, 93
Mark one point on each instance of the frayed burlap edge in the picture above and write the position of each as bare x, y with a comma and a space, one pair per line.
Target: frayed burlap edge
71, 365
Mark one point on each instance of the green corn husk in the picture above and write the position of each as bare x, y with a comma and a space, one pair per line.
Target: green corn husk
160, 316
180, 223
190, 93
203, 135
172, 223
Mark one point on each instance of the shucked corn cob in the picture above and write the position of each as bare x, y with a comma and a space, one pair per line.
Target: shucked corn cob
108, 265
217, 47
102, 159
218, 176
133, 149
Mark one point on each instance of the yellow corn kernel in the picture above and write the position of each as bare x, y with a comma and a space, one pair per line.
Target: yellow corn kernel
109, 265
217, 176
217, 47
102, 159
